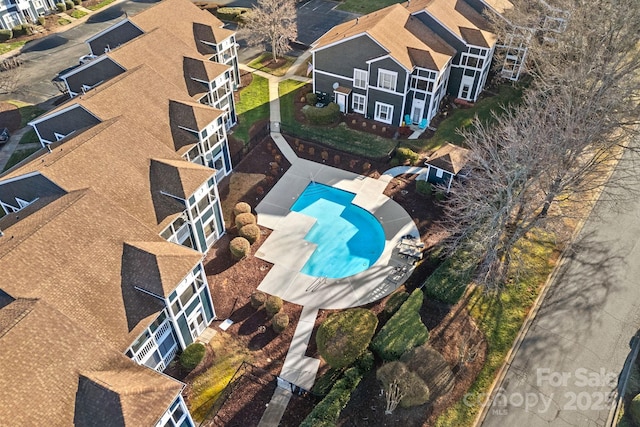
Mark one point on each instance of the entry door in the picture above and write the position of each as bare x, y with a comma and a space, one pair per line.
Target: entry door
417, 108
465, 88
197, 324
341, 100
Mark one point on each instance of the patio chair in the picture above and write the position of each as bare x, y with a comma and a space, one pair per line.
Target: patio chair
423, 124
407, 120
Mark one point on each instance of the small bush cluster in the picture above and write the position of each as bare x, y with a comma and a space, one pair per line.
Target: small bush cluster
327, 412
62, 7
239, 247
77, 2
41, 20
244, 219
403, 331
5, 35
634, 409
280, 322
345, 336
234, 14
324, 115
251, 232
258, 299
240, 208
311, 98
405, 155
273, 305
423, 187
413, 389
192, 355
69, 4
22, 30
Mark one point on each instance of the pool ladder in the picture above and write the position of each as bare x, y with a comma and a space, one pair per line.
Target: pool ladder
316, 284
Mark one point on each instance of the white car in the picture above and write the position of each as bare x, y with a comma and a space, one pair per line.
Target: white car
86, 58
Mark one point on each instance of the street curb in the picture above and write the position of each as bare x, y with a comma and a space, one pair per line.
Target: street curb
480, 418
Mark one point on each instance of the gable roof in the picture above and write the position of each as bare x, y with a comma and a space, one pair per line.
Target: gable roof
407, 40
450, 158
46, 386
498, 6
66, 255
460, 18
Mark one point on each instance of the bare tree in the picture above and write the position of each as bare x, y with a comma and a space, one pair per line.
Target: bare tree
556, 146
10, 74
393, 396
273, 23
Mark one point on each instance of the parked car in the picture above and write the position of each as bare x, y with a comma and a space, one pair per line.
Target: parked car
4, 135
86, 58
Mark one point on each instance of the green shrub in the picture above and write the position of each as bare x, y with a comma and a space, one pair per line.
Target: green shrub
322, 386
241, 207
251, 232
77, 2
244, 219
69, 4
258, 299
423, 187
19, 30
449, 281
414, 390
312, 98
366, 361
235, 14
344, 336
62, 7
428, 364
394, 302
273, 305
327, 412
404, 154
239, 247
280, 322
41, 20
440, 195
634, 409
403, 331
192, 355
323, 115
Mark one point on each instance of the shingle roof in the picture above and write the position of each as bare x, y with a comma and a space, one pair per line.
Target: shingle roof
460, 18
406, 39
500, 6
184, 20
177, 177
44, 353
66, 255
450, 158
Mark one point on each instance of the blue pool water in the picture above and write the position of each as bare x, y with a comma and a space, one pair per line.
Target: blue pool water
349, 238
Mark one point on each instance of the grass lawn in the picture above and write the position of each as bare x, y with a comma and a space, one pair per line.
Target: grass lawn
63, 21
29, 137
365, 6
500, 317
9, 46
339, 137
100, 5
77, 14
253, 106
206, 387
18, 156
262, 61
28, 112
463, 117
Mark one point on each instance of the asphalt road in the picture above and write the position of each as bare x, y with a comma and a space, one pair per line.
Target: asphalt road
569, 362
43, 59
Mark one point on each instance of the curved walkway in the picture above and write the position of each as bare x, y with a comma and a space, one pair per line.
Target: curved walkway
388, 175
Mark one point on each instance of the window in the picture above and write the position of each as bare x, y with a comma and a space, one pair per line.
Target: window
439, 173
384, 113
358, 103
359, 78
387, 79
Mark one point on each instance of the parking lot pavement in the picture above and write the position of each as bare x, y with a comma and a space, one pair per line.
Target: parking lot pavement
316, 17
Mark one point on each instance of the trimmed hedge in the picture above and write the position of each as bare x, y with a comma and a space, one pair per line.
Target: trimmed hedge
394, 302
327, 412
192, 355
423, 187
62, 7
414, 390
251, 232
273, 305
403, 154
345, 336
403, 331
241, 207
77, 2
280, 322
235, 14
312, 98
239, 247
322, 116
258, 299
634, 409
5, 35
244, 219
69, 4
449, 281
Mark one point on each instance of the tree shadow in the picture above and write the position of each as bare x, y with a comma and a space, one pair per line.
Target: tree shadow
46, 43
261, 339
112, 12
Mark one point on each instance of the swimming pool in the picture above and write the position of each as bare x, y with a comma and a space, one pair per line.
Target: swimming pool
349, 238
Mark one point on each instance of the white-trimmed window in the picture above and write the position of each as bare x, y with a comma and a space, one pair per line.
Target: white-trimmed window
384, 112
439, 173
359, 78
358, 103
387, 79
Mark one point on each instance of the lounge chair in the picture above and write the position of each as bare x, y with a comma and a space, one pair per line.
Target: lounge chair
407, 120
423, 124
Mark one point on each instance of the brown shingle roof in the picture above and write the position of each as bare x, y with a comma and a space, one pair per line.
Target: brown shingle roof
192, 115
450, 158
179, 17
72, 258
177, 177
459, 17
406, 39
500, 6
43, 355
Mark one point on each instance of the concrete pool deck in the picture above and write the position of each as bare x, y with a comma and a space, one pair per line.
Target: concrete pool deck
288, 251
